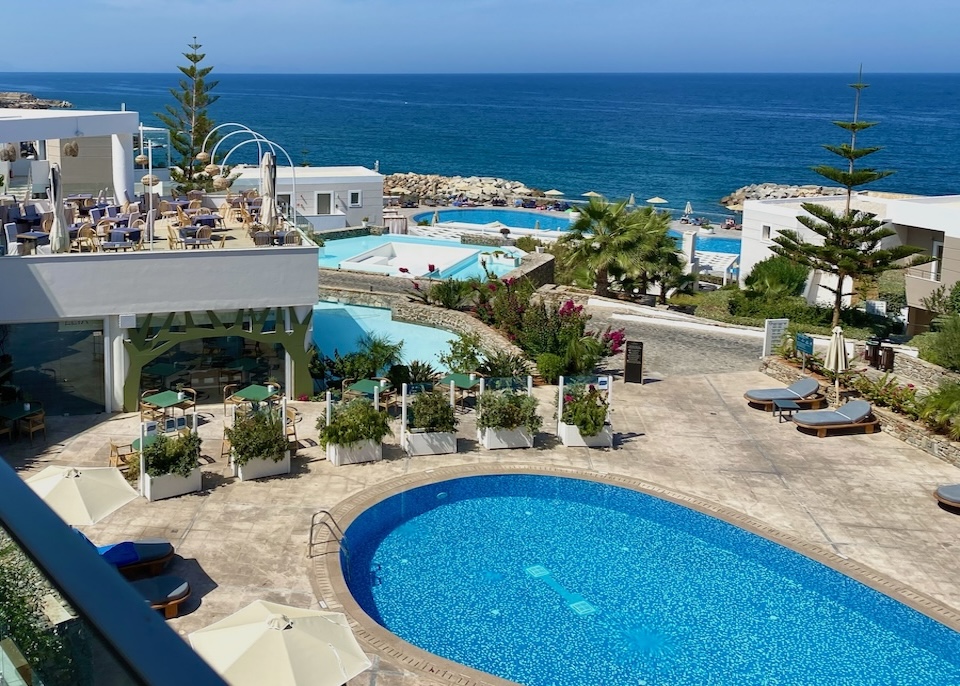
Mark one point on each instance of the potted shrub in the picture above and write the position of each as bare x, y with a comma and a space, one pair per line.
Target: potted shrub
584, 420
507, 420
172, 466
354, 433
258, 445
431, 425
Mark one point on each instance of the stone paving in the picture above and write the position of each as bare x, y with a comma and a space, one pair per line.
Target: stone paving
867, 497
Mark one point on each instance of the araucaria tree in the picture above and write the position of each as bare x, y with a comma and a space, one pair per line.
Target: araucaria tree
851, 246
189, 123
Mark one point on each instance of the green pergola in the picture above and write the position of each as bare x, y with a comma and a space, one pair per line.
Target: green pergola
156, 335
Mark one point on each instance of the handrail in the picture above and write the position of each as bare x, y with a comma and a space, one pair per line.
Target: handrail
338, 535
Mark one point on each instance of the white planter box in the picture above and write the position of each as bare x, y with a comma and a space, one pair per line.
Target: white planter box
430, 443
570, 436
494, 439
363, 451
172, 485
259, 468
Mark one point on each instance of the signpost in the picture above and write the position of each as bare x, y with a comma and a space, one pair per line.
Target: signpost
773, 332
633, 362
804, 347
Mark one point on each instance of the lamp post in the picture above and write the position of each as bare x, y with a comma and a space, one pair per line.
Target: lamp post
274, 147
148, 181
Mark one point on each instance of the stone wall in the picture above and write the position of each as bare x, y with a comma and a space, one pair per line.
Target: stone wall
776, 191
910, 432
915, 370
536, 266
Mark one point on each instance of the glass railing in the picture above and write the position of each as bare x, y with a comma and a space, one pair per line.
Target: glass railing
67, 617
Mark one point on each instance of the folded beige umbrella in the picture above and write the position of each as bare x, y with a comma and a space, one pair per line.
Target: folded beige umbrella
268, 643
82, 495
591, 194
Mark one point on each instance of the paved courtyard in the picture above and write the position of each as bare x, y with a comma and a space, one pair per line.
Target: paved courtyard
866, 497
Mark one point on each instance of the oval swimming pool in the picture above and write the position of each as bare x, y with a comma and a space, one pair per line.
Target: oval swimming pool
555, 580
555, 221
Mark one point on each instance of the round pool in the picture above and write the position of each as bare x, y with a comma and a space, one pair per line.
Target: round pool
545, 579
556, 221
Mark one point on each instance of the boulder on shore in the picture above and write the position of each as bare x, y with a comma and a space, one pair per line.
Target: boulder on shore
28, 101
771, 191
443, 188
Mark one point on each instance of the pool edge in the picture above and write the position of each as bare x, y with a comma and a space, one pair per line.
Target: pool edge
330, 587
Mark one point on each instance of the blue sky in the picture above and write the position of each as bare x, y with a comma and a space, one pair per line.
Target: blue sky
462, 36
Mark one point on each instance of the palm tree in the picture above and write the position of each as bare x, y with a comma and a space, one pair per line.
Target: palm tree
610, 239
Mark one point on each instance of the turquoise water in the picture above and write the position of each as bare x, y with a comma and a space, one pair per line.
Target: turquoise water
555, 222
337, 327
336, 251
547, 580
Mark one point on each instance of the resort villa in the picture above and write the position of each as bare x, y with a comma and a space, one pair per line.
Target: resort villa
931, 223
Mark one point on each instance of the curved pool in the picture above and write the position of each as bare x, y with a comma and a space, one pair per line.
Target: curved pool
555, 221
555, 580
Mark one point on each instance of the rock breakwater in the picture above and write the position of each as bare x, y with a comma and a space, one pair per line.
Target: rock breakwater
436, 187
28, 101
776, 191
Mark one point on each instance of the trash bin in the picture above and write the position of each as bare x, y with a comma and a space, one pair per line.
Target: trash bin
885, 362
871, 352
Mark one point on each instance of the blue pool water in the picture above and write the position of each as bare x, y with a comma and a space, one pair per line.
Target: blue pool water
548, 580
337, 250
338, 327
556, 222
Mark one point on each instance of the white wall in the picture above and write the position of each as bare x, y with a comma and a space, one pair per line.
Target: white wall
52, 287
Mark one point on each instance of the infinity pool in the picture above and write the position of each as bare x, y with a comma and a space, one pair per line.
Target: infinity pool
555, 221
550, 580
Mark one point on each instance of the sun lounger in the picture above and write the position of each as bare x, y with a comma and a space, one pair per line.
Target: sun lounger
135, 559
856, 413
164, 592
949, 495
805, 392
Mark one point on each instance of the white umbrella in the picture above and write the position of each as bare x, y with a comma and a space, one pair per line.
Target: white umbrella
657, 200
436, 217
59, 234
592, 194
688, 209
836, 360
268, 190
631, 201
82, 495
267, 643
554, 193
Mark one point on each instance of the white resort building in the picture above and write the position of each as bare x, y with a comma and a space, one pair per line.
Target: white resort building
931, 223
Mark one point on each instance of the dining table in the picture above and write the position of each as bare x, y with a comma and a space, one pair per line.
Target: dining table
31, 239
255, 393
369, 386
165, 400
14, 412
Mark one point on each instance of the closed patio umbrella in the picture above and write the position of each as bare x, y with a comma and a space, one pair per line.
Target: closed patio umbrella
688, 209
631, 201
436, 218
59, 234
268, 643
268, 191
836, 360
82, 495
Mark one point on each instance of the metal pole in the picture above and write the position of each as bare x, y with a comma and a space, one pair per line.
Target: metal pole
403, 415
559, 404
329, 415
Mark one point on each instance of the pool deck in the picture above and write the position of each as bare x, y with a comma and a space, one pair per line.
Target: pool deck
863, 497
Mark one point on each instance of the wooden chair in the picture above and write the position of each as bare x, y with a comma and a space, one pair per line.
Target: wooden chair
149, 412
225, 448
142, 226
195, 204
195, 195
174, 240
46, 225
166, 210
122, 455
292, 418
182, 218
203, 239
292, 238
33, 424
224, 212
229, 390
103, 229
86, 240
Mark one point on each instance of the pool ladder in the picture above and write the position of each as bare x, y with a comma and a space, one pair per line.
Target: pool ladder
323, 519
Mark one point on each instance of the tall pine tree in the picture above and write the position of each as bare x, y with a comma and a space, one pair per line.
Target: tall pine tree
851, 239
189, 123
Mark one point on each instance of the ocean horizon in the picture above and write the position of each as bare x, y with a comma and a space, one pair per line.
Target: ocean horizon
682, 136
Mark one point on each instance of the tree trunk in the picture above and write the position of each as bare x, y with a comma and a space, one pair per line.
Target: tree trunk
837, 302
663, 294
603, 283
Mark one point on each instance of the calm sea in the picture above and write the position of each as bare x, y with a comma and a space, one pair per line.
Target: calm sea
683, 137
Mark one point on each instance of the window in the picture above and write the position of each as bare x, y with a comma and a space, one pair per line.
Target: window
765, 235
937, 265
283, 202
356, 199
324, 203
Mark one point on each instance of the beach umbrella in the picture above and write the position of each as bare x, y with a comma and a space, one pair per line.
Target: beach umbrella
631, 201
688, 209
59, 234
554, 193
268, 643
536, 226
82, 495
436, 217
591, 194
268, 191
657, 200
836, 360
